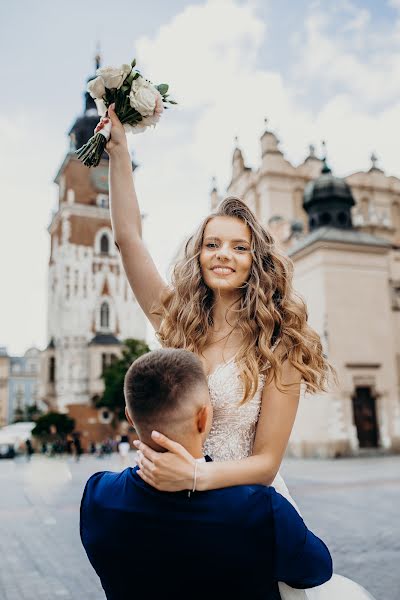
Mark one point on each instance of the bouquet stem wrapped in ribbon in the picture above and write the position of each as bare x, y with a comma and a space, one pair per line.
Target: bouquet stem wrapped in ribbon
139, 104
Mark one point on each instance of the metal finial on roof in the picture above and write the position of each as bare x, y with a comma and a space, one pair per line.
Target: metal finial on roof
325, 167
213, 184
236, 140
374, 160
311, 150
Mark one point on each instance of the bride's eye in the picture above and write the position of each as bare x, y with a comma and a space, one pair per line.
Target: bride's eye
211, 245
242, 248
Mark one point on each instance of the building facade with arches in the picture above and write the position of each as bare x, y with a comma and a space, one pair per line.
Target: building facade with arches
343, 236
91, 308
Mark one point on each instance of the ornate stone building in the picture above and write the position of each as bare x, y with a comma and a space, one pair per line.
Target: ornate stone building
4, 378
19, 386
90, 305
343, 236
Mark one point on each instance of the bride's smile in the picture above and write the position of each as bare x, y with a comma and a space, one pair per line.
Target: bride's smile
225, 257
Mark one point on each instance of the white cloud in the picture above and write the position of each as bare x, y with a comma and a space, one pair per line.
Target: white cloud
355, 56
201, 48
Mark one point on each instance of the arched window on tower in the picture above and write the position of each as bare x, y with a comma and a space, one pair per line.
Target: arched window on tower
104, 244
104, 316
52, 369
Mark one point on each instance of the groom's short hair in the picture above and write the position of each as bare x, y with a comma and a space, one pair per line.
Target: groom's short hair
160, 382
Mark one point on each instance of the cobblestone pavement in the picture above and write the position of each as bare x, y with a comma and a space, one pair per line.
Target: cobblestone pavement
352, 504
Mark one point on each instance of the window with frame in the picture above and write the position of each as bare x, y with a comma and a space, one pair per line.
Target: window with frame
52, 369
104, 244
104, 316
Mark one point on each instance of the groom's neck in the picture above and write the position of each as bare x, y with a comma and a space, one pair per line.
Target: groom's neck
193, 444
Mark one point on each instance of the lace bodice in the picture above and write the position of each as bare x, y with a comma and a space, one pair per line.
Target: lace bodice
234, 425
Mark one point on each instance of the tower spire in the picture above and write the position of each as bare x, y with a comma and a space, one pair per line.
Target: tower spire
97, 57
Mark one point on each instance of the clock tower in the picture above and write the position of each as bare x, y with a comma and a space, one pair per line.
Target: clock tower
91, 308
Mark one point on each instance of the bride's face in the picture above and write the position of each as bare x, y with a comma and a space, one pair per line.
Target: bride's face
225, 257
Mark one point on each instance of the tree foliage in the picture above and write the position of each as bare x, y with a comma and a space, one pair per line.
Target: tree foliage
114, 374
53, 422
30, 412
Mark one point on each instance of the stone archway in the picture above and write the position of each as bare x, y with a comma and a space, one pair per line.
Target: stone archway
365, 419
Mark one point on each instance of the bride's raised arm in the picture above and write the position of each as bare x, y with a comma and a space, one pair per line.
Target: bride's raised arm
143, 276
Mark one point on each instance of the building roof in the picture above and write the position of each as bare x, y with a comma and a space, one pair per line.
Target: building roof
327, 189
105, 339
344, 236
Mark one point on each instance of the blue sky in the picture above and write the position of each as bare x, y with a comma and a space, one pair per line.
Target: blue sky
317, 70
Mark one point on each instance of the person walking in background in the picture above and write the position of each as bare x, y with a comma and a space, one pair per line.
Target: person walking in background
123, 449
29, 449
77, 446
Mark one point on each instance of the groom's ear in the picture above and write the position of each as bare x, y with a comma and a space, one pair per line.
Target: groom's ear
203, 418
128, 417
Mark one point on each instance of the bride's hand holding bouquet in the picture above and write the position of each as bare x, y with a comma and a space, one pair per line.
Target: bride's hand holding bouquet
117, 140
136, 101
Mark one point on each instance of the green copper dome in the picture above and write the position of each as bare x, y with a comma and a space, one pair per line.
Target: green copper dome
328, 201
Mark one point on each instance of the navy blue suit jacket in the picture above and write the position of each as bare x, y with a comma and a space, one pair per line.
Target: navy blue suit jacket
235, 542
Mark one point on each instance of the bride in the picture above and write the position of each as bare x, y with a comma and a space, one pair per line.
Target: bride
231, 302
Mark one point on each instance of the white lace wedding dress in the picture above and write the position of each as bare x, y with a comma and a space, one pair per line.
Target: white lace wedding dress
231, 438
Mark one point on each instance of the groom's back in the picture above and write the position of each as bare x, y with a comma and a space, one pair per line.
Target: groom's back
168, 545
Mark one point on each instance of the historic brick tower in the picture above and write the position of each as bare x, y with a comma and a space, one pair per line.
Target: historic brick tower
90, 305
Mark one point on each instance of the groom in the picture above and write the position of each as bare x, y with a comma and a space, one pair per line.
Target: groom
230, 543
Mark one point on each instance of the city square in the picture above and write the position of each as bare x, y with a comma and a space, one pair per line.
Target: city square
352, 504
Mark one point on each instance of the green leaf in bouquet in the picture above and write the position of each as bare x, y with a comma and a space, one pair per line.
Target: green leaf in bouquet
118, 100
132, 117
125, 106
171, 101
136, 76
133, 63
128, 81
110, 96
163, 88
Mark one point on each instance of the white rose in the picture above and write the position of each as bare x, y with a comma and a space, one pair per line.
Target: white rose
151, 121
144, 124
96, 88
134, 128
114, 77
101, 107
144, 97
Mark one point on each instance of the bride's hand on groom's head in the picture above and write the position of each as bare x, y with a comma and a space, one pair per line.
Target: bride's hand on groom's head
170, 471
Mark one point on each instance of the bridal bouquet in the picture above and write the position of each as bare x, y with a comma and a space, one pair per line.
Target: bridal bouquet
138, 105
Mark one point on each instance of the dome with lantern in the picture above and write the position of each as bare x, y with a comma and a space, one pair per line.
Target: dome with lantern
328, 201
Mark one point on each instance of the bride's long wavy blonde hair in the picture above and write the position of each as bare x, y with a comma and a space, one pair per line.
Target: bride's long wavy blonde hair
269, 310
